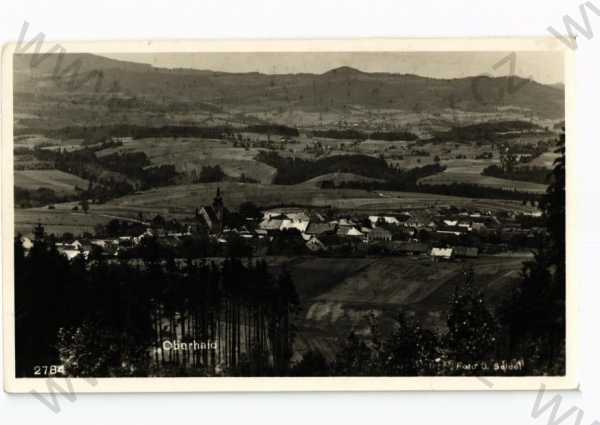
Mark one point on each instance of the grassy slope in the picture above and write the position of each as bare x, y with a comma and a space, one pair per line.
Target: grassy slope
342, 293
338, 178
192, 154
56, 180
464, 175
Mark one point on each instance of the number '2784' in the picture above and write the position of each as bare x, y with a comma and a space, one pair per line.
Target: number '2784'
48, 370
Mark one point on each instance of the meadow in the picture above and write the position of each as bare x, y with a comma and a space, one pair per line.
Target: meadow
189, 155
339, 295
55, 180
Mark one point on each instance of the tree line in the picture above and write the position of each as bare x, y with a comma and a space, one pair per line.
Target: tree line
102, 317
351, 134
297, 170
96, 134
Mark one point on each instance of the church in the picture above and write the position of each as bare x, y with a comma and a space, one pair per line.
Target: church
213, 214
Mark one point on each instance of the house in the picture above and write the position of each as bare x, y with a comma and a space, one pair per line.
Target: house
379, 234
537, 213
70, 253
297, 216
346, 222
213, 214
245, 233
348, 232
465, 225
73, 246
294, 223
316, 217
375, 219
315, 245
71, 250
479, 227
441, 253
320, 228
354, 232
465, 252
261, 233
26, 243
413, 222
270, 224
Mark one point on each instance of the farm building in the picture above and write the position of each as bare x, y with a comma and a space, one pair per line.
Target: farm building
271, 224
465, 252
379, 234
320, 228
348, 231
376, 219
26, 243
293, 223
315, 245
441, 253
346, 222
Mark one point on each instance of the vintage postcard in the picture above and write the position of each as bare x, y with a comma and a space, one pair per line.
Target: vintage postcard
287, 215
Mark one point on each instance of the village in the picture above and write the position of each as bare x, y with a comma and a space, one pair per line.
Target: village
443, 233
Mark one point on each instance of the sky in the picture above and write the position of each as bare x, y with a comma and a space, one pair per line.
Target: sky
544, 67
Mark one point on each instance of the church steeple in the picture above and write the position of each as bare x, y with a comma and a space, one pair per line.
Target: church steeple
218, 201
218, 208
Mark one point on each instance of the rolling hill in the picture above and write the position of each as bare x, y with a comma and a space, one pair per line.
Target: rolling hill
337, 178
111, 89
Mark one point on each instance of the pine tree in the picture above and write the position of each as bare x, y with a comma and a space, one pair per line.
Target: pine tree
535, 314
471, 328
410, 350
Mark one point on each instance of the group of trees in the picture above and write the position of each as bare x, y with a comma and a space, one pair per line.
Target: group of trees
109, 176
477, 191
103, 317
296, 170
536, 311
486, 131
208, 174
523, 173
28, 198
281, 130
99, 133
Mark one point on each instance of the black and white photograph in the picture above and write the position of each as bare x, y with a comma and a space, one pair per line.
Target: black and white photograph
392, 213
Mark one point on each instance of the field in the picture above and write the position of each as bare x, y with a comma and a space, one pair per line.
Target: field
181, 201
338, 178
545, 160
56, 180
471, 174
338, 295
57, 221
190, 155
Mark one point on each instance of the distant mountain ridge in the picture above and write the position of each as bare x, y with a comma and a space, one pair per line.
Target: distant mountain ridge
336, 89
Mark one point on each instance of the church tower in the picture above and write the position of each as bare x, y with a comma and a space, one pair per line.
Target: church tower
218, 210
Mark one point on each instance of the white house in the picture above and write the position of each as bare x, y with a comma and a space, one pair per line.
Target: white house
300, 225
315, 245
374, 219
26, 243
441, 253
